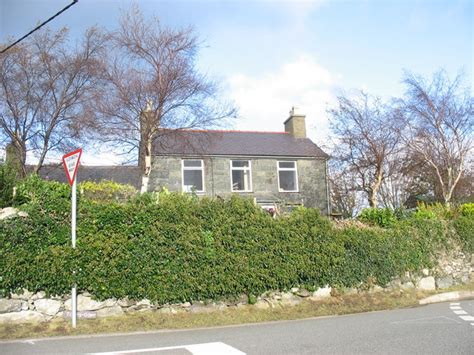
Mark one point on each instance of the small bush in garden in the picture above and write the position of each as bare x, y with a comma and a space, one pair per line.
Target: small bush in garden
49, 198
403, 213
434, 211
467, 210
35, 190
382, 217
106, 191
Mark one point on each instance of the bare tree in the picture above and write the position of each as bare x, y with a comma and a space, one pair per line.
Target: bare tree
439, 127
45, 89
394, 191
366, 139
343, 190
153, 83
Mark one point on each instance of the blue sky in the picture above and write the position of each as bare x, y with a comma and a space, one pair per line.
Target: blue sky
271, 55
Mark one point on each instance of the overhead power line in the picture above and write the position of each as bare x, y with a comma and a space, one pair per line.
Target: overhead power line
39, 26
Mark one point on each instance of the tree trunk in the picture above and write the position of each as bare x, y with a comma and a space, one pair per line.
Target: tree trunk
447, 199
147, 124
16, 157
39, 165
146, 163
374, 190
372, 199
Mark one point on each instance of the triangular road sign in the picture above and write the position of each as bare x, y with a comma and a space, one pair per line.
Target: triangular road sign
71, 163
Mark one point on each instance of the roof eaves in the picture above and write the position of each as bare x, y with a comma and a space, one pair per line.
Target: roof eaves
242, 155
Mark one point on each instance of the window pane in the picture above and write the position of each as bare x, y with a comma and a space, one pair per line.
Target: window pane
240, 163
240, 180
287, 180
287, 164
192, 180
192, 163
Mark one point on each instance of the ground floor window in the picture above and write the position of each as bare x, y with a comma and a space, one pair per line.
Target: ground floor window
193, 175
287, 176
241, 175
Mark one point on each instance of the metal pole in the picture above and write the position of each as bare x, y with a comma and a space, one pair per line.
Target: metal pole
74, 307
73, 238
73, 214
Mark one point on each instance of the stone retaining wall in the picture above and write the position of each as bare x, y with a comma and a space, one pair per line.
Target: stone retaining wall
456, 268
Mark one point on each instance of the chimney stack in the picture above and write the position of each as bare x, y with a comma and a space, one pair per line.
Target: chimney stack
296, 123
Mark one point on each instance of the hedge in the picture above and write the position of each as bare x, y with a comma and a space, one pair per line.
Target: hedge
7, 182
172, 248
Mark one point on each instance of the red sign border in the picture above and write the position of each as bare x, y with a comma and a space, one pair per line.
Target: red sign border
71, 180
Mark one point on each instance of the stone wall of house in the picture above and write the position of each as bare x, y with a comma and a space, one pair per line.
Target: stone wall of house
166, 172
456, 268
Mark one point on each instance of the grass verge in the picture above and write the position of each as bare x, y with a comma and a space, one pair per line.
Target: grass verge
147, 321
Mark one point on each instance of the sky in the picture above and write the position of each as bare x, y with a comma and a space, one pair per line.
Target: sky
269, 56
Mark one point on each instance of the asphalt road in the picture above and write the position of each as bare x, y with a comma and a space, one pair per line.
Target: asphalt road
444, 328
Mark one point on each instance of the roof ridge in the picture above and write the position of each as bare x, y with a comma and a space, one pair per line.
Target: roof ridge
221, 130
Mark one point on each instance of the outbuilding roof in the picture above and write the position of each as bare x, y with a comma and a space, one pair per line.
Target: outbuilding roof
235, 143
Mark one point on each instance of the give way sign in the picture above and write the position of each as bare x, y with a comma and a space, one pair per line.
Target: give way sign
71, 163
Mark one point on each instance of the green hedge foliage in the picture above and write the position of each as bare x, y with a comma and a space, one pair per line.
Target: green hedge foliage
7, 182
106, 191
467, 210
382, 217
464, 227
171, 247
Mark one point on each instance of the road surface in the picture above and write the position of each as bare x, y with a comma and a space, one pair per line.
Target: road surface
444, 328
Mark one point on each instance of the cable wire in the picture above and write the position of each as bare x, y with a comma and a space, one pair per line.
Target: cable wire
38, 27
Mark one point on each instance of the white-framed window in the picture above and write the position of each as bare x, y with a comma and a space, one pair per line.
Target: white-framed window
241, 175
287, 176
193, 175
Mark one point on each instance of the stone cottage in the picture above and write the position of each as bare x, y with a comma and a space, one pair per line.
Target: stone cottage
277, 169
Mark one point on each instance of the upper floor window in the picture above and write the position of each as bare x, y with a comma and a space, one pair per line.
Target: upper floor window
241, 175
287, 176
193, 175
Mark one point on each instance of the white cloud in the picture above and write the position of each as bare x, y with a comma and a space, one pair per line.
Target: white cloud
265, 101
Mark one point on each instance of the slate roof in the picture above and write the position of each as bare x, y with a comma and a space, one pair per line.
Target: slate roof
241, 143
122, 174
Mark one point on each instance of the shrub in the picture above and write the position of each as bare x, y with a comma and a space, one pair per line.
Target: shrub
464, 226
49, 195
382, 217
467, 210
7, 183
106, 191
433, 211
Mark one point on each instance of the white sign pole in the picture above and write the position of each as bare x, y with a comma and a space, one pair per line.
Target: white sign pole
73, 239
71, 163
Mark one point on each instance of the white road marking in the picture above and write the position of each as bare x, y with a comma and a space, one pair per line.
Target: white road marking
429, 320
461, 313
217, 348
